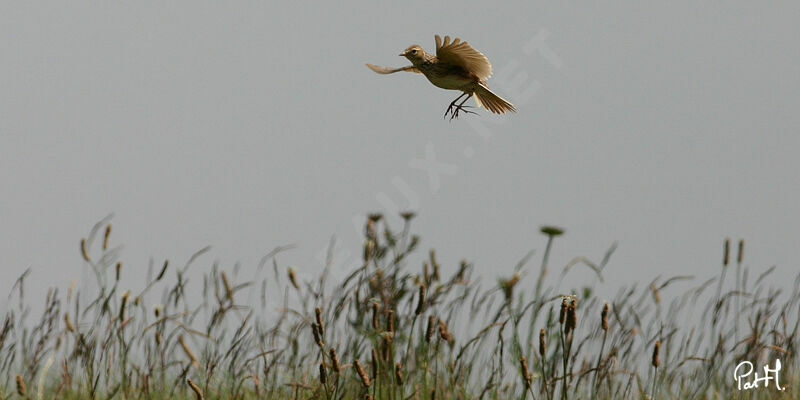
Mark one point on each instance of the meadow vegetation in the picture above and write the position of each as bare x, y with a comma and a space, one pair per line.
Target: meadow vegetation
392, 329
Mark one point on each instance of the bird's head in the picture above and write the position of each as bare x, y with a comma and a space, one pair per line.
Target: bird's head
414, 53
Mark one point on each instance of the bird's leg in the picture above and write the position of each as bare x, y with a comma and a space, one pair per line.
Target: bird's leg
461, 107
453, 105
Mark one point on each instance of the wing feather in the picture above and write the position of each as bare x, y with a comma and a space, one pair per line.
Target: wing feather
462, 54
389, 70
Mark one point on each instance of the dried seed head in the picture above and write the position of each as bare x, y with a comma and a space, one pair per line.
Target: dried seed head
408, 215
426, 273
387, 347
429, 331
526, 374
398, 374
726, 247
435, 265
656, 361
562, 315
604, 317
542, 343
421, 301
740, 255
124, 303
656, 293
444, 333
551, 230
21, 386
390, 321
227, 284
323, 376
361, 373
293, 279
118, 270
337, 367
198, 394
572, 316
367, 250
317, 336
70, 327
84, 251
158, 337
163, 270
320, 325
105, 236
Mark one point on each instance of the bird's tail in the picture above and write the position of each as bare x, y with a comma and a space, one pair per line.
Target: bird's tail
492, 102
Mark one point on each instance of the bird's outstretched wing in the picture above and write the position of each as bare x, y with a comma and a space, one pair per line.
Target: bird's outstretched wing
388, 70
462, 54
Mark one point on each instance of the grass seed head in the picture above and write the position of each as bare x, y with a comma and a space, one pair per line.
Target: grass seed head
726, 252
84, 251
656, 361
21, 390
542, 343
740, 254
420, 301
320, 325
361, 373
526, 373
429, 330
293, 279
323, 376
337, 367
105, 236
398, 374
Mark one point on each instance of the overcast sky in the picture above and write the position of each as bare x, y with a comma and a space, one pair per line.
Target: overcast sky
664, 126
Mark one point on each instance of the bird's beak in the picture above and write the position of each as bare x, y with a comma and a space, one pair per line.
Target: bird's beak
402, 54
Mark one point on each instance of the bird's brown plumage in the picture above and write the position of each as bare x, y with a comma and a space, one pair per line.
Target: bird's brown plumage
456, 66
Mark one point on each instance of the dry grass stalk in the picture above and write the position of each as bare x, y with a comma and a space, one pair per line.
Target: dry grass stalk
227, 285
198, 394
188, 351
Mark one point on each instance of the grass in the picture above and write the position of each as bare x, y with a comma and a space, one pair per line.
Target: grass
394, 329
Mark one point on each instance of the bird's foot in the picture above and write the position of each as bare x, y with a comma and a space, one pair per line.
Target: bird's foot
454, 110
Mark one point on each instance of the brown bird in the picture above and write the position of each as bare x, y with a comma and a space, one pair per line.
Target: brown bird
456, 66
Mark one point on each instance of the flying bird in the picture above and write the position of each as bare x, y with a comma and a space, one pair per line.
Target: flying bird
456, 66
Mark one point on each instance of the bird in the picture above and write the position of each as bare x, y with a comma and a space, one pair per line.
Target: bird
456, 66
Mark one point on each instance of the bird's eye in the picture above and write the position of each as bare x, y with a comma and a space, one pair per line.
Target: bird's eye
414, 51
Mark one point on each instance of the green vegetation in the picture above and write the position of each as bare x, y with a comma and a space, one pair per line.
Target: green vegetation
394, 329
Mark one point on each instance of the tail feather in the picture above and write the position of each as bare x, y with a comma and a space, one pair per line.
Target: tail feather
492, 102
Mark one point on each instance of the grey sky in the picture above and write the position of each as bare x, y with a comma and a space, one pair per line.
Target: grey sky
666, 127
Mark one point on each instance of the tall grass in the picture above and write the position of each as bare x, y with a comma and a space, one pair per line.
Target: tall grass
394, 329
